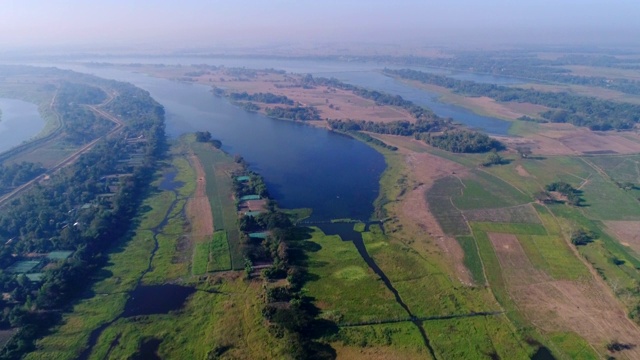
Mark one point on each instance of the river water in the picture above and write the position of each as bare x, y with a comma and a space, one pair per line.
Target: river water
19, 122
303, 166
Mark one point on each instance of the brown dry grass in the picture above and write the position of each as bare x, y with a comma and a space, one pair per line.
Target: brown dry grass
586, 308
423, 169
198, 207
627, 232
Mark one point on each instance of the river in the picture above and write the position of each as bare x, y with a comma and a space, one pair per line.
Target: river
303, 166
20, 121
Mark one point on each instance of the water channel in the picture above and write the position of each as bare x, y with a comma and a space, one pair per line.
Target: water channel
19, 122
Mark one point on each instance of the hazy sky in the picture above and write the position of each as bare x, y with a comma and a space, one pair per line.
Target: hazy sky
186, 23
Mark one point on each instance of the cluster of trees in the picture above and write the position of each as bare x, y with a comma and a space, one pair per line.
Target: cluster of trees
572, 194
290, 315
586, 111
583, 237
267, 98
301, 113
255, 185
205, 136
462, 141
17, 174
404, 128
50, 217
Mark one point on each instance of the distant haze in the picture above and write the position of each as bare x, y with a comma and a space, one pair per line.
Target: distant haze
170, 24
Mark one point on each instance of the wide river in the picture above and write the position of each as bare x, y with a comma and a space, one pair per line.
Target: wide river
334, 175
19, 122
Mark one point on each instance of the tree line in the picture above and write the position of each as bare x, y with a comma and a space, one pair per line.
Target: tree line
597, 114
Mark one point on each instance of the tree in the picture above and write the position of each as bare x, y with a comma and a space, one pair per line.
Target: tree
583, 237
493, 159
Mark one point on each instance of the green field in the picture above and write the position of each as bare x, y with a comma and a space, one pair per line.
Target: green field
212, 255
217, 166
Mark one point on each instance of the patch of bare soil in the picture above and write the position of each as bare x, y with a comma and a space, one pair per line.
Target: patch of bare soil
627, 232
522, 171
586, 307
198, 208
415, 216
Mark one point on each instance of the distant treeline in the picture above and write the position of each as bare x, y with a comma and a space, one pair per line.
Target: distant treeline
586, 111
404, 128
529, 66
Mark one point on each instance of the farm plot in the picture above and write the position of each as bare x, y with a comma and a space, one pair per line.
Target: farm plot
583, 307
627, 232
514, 214
440, 200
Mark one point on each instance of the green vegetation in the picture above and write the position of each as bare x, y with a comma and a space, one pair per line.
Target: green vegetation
212, 255
17, 174
463, 141
472, 259
301, 113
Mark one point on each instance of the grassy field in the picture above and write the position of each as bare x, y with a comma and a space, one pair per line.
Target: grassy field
219, 189
343, 285
212, 255
472, 259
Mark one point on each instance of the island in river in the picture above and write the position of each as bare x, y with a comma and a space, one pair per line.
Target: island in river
473, 262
